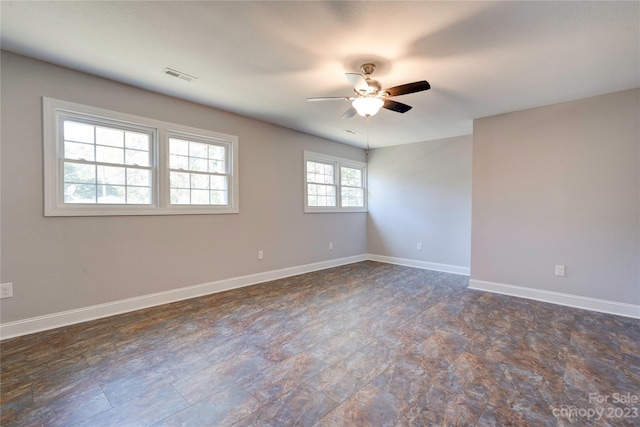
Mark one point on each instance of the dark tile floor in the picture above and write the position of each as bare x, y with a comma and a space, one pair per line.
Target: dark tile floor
367, 344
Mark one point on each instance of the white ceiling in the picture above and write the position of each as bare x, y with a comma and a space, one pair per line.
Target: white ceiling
263, 59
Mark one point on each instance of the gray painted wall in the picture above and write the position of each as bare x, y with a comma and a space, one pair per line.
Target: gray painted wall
560, 185
421, 193
59, 264
551, 185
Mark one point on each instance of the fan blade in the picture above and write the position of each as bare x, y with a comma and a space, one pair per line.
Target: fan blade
331, 98
349, 113
396, 106
358, 82
408, 88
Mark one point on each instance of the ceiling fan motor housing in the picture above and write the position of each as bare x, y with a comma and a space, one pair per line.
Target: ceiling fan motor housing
374, 85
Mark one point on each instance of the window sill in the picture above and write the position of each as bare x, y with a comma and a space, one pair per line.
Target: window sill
119, 211
335, 210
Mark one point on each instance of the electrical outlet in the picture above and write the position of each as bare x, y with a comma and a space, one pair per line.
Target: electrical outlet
419, 246
260, 255
6, 290
560, 270
330, 245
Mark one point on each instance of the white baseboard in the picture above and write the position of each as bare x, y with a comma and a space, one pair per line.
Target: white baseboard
586, 303
425, 265
70, 317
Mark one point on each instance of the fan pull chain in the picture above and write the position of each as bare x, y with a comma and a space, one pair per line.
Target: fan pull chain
366, 152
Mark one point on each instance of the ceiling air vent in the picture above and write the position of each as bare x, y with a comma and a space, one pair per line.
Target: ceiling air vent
179, 74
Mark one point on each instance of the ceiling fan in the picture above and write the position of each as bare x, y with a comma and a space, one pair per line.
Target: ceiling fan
370, 97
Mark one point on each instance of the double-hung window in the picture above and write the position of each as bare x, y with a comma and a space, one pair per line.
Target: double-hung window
321, 183
105, 163
352, 186
100, 162
334, 184
198, 171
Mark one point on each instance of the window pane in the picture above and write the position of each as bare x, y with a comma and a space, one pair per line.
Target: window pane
178, 146
111, 194
217, 166
351, 177
137, 157
79, 173
219, 198
199, 181
216, 152
218, 183
112, 137
109, 155
139, 195
78, 193
180, 196
137, 141
139, 177
74, 150
78, 132
197, 149
179, 180
111, 175
196, 164
200, 197
178, 162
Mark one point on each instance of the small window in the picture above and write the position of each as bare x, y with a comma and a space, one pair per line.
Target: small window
333, 184
100, 162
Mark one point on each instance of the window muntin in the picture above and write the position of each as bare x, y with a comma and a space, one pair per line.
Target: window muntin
333, 184
101, 162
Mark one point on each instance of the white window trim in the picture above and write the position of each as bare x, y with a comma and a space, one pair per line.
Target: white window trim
53, 201
338, 162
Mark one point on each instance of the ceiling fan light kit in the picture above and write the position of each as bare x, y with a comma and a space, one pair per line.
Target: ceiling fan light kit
367, 106
369, 97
